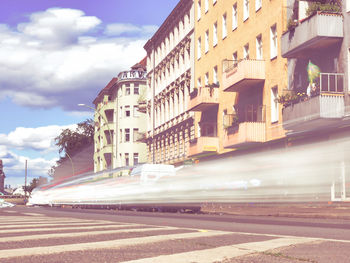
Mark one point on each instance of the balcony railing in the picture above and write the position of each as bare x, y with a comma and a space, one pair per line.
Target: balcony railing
238, 75
204, 146
203, 98
142, 106
317, 32
324, 108
245, 127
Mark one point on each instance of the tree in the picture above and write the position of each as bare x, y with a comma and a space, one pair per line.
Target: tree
35, 183
70, 141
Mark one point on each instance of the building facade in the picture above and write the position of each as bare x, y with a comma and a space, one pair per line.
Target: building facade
119, 123
317, 46
170, 68
239, 73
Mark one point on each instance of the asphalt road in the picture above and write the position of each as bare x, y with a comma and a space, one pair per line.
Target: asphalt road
74, 235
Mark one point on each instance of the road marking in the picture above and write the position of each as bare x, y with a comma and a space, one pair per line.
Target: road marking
80, 234
62, 228
225, 252
19, 252
53, 224
33, 214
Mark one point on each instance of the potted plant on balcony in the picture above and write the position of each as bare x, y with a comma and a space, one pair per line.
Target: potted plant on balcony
333, 6
291, 24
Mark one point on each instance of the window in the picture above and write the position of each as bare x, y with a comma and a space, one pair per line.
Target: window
234, 16
215, 75
126, 159
215, 34
127, 111
120, 112
206, 79
136, 158
273, 41
206, 5
136, 89
199, 82
135, 134
246, 10
136, 112
199, 9
274, 104
127, 89
199, 46
234, 56
206, 44
246, 51
127, 135
120, 135
258, 4
259, 49
224, 28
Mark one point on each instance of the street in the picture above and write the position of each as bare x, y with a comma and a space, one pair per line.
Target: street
32, 234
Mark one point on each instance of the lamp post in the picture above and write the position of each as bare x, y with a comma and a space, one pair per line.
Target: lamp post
109, 130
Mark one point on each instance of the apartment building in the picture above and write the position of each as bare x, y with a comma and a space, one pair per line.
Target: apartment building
119, 122
170, 73
319, 42
239, 73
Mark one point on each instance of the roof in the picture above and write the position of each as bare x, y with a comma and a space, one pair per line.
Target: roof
105, 90
141, 64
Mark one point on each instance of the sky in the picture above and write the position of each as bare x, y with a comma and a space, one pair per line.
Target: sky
55, 54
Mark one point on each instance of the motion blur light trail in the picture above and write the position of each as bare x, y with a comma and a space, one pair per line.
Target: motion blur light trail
312, 172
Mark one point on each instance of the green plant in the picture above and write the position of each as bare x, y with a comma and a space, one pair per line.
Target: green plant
317, 6
291, 98
291, 24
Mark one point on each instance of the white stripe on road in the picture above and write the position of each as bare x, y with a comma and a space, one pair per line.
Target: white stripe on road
80, 234
54, 224
220, 254
20, 252
62, 228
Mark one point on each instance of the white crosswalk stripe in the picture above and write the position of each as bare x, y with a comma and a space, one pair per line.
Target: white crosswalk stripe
17, 239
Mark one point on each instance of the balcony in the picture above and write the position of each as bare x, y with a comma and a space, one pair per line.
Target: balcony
314, 33
204, 146
245, 128
142, 106
324, 110
203, 98
140, 137
241, 74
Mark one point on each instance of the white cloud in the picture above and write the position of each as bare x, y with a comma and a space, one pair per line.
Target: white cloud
56, 59
120, 28
38, 139
24, 140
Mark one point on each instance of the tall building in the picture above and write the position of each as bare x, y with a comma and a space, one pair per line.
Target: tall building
2, 178
239, 74
119, 123
170, 68
316, 105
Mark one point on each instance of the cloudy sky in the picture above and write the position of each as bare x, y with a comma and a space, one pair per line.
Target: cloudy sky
55, 54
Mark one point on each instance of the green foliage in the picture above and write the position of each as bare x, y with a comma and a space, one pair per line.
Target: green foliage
291, 24
71, 141
331, 6
291, 98
36, 182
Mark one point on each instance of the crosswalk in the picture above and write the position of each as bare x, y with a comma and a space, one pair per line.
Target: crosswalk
40, 238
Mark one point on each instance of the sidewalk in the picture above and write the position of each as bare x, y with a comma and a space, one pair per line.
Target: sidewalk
330, 210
